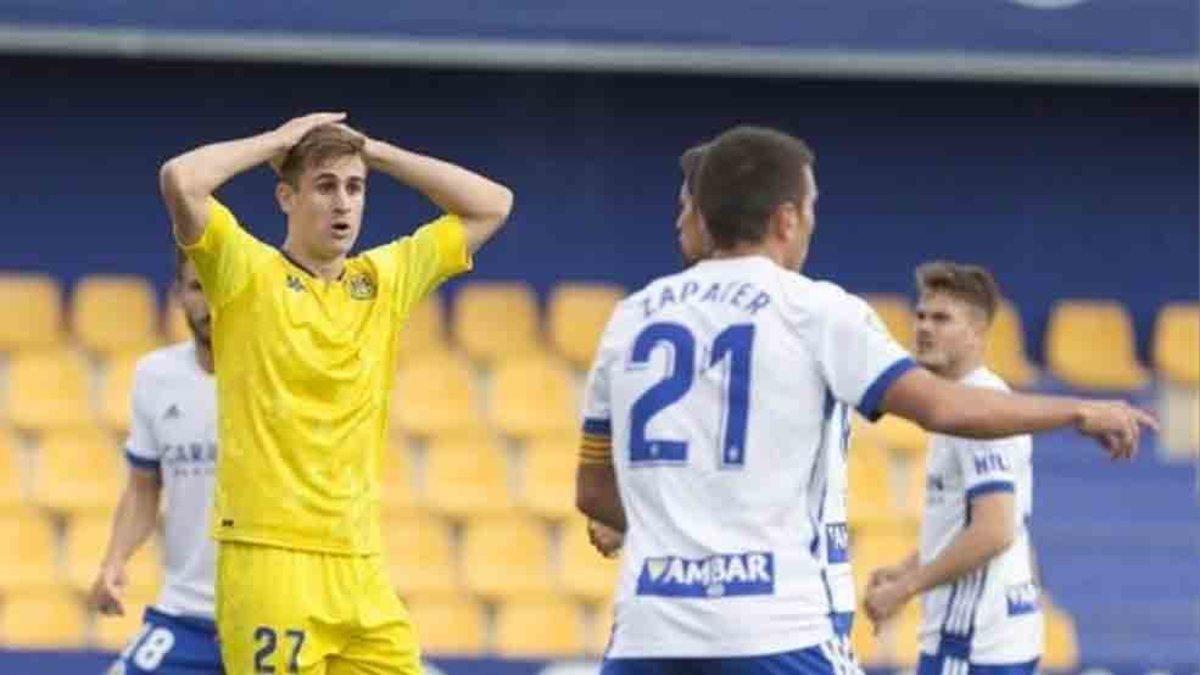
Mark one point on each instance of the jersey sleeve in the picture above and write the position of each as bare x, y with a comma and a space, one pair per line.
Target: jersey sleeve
416, 264
596, 447
857, 356
141, 447
988, 466
225, 255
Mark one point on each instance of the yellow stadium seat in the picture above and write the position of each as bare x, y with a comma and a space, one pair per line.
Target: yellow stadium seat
893, 433
448, 626
86, 542
30, 312
1090, 344
599, 629
175, 326
11, 480
78, 471
585, 573
864, 642
1005, 348
506, 557
548, 476
538, 627
48, 390
1177, 343
424, 331
1061, 651
533, 397
116, 390
434, 395
897, 315
27, 558
399, 489
577, 314
493, 320
114, 313
114, 633
904, 633
419, 556
48, 619
870, 495
463, 479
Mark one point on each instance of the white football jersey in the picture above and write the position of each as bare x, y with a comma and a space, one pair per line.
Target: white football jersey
719, 387
990, 616
174, 431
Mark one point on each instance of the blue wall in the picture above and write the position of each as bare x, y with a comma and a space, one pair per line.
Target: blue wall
1064, 192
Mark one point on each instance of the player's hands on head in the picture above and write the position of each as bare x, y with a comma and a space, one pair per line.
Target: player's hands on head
1116, 425
108, 589
605, 539
290, 132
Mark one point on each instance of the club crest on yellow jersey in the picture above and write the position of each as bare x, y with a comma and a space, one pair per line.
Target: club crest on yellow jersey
362, 287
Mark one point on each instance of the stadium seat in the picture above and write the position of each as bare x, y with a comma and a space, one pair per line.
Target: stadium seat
876, 547
115, 391
863, 640
448, 626
599, 629
424, 331
494, 320
548, 476
506, 557
538, 627
398, 488
114, 633
1177, 343
78, 471
1090, 344
1061, 650
86, 541
1005, 349
533, 396
114, 313
11, 478
45, 619
27, 558
175, 327
464, 479
577, 314
419, 556
585, 573
870, 494
896, 313
30, 312
48, 390
897, 434
904, 633
434, 395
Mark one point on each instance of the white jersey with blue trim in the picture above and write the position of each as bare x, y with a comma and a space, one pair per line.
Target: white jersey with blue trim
832, 491
174, 430
990, 616
719, 387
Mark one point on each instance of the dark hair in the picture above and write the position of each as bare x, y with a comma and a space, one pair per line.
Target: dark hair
972, 284
747, 173
690, 162
318, 146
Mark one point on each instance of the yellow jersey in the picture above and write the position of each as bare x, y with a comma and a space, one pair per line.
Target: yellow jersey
304, 376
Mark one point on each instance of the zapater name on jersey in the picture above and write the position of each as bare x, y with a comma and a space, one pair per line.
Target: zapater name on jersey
725, 392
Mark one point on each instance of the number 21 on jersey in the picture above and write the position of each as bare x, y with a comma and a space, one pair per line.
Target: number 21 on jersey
734, 344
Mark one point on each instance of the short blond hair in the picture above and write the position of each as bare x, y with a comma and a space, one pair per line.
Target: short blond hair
971, 284
318, 146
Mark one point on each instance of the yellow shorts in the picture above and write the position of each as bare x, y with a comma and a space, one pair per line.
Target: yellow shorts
285, 611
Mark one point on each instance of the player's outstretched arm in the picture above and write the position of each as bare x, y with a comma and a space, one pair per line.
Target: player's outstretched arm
188, 180
989, 533
136, 516
947, 407
481, 203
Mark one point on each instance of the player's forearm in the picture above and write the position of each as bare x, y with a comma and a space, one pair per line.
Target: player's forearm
198, 173
597, 495
970, 550
134, 522
454, 189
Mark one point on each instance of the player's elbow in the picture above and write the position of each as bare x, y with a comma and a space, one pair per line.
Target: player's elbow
500, 207
173, 181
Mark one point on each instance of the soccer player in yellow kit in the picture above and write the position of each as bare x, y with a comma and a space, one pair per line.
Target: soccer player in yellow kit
304, 340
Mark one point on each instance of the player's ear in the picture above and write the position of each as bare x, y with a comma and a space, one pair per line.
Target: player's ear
284, 194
